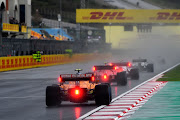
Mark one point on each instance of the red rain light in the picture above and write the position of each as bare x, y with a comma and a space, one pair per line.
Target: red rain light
105, 76
115, 68
129, 64
93, 78
110, 64
60, 79
94, 68
76, 92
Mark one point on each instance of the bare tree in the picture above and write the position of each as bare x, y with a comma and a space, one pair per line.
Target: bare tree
37, 18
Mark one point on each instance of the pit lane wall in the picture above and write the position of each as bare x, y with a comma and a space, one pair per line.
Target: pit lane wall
24, 62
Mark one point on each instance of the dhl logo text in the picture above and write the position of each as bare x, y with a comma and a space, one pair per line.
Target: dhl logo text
107, 16
167, 16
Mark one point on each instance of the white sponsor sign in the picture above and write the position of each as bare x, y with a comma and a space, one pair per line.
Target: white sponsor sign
76, 76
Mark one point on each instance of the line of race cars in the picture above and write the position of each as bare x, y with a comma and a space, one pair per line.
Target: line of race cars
95, 86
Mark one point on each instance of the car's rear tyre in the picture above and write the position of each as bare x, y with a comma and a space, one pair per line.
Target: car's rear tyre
103, 94
121, 78
150, 68
53, 96
110, 90
134, 74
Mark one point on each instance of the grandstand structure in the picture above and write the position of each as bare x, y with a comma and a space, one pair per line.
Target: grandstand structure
16, 17
19, 36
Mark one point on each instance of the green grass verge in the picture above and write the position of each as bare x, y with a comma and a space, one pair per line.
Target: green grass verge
172, 75
172, 4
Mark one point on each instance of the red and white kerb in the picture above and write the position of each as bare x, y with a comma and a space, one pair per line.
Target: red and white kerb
125, 106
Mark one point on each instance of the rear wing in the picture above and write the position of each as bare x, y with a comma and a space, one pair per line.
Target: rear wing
76, 77
139, 60
121, 64
108, 67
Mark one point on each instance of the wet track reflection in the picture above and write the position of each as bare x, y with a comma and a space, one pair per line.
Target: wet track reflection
115, 90
77, 112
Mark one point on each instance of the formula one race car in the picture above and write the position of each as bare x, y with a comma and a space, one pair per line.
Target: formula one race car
108, 74
131, 72
78, 88
143, 65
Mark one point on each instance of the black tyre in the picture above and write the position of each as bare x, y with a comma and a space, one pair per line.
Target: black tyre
134, 74
121, 78
150, 68
110, 90
103, 94
53, 96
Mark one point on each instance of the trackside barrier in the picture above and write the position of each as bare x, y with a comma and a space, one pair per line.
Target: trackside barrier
24, 62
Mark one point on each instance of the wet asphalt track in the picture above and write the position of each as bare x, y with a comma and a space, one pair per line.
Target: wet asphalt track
22, 93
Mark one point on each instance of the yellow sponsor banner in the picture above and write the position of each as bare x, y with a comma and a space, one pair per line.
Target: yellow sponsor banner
24, 29
127, 16
24, 62
10, 27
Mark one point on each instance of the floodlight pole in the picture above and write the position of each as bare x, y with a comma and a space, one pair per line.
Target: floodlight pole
0, 27
110, 33
59, 20
59, 16
83, 6
1, 15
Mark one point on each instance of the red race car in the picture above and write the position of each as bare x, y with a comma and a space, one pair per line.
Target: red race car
110, 73
78, 88
131, 71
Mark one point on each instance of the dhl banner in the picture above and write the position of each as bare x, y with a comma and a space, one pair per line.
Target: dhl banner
127, 16
23, 62
10, 27
24, 29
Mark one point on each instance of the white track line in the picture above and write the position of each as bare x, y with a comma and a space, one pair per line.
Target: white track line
100, 107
